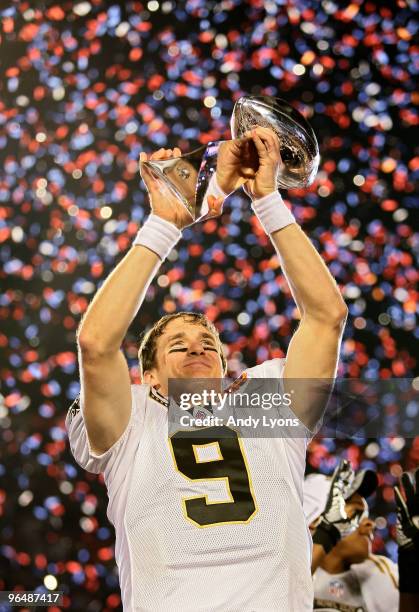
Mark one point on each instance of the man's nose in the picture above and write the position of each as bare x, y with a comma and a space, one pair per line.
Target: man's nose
196, 348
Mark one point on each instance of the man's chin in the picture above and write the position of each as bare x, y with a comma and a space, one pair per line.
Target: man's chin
197, 382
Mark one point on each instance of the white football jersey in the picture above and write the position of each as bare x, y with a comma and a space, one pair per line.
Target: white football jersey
207, 526
370, 586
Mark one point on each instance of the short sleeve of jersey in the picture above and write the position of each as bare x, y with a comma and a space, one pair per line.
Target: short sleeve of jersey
119, 452
274, 368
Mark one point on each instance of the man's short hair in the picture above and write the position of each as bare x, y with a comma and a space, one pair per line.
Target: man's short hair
148, 345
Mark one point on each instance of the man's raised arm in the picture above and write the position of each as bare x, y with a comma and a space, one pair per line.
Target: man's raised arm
104, 374
314, 349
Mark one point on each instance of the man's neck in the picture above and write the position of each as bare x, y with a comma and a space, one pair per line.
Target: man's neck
345, 554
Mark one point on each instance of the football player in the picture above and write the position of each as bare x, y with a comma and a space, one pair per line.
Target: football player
347, 576
212, 523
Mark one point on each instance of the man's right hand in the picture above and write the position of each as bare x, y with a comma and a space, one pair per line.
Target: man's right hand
163, 201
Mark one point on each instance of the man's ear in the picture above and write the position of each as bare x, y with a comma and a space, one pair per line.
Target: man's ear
150, 378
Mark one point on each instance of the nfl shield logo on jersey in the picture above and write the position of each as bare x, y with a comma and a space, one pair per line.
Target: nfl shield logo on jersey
200, 412
336, 588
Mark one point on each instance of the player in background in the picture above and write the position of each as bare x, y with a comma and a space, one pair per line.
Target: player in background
334, 506
352, 576
195, 521
346, 575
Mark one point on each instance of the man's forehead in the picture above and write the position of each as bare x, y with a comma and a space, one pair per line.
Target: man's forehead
184, 327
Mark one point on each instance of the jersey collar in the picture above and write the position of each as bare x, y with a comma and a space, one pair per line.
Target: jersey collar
158, 397
163, 400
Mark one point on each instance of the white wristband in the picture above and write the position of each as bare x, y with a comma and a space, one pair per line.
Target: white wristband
213, 189
158, 235
272, 212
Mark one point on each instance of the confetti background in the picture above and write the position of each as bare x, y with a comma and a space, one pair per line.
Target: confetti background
85, 86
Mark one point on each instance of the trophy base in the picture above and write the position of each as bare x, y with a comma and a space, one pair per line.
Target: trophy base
189, 177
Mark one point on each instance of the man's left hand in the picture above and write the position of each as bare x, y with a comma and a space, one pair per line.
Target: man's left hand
237, 162
267, 146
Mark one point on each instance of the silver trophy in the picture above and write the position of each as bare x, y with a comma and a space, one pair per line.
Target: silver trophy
189, 176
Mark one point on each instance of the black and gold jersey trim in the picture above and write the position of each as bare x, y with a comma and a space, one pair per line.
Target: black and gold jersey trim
74, 409
158, 397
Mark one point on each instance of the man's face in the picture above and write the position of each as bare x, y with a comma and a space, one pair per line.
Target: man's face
359, 542
356, 506
185, 350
